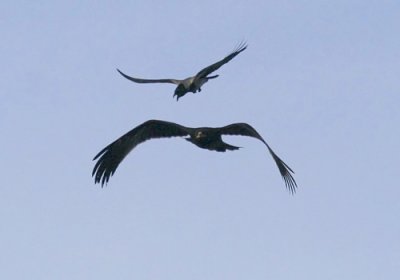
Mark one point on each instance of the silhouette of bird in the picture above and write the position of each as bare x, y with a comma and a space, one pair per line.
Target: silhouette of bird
191, 84
209, 138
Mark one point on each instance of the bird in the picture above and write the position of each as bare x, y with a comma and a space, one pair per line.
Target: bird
194, 83
109, 158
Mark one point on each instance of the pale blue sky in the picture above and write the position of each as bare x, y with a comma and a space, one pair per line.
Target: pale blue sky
319, 81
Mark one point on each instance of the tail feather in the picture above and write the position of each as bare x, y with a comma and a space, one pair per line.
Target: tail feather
226, 147
212, 77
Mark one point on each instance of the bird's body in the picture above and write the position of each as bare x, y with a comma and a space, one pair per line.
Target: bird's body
209, 138
191, 84
204, 137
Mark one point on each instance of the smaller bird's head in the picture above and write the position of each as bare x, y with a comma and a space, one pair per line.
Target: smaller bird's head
179, 92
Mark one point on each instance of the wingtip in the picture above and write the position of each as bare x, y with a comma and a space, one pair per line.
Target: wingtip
241, 46
290, 183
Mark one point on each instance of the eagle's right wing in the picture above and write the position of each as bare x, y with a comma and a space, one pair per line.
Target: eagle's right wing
111, 156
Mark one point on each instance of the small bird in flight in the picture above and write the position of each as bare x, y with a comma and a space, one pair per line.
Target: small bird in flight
209, 138
191, 84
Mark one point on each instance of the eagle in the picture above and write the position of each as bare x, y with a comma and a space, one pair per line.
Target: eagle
191, 84
209, 138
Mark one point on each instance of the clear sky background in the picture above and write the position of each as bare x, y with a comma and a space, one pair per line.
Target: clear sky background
319, 81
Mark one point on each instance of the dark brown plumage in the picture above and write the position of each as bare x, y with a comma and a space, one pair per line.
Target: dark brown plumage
209, 138
191, 84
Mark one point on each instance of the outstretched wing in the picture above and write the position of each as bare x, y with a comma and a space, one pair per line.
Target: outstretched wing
217, 65
146, 81
111, 156
247, 130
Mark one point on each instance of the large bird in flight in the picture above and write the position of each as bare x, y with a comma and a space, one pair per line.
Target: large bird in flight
209, 138
191, 84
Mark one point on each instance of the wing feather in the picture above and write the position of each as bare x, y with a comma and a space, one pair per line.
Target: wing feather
111, 156
209, 69
146, 81
245, 129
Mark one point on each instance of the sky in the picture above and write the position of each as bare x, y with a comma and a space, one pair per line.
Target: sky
319, 81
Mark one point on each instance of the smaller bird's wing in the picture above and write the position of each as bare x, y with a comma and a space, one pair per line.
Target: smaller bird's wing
146, 81
209, 69
245, 129
111, 156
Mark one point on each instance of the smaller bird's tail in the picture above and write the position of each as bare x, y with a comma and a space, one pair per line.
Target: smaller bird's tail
213, 77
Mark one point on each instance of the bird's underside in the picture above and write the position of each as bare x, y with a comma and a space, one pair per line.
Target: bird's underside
209, 138
191, 84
